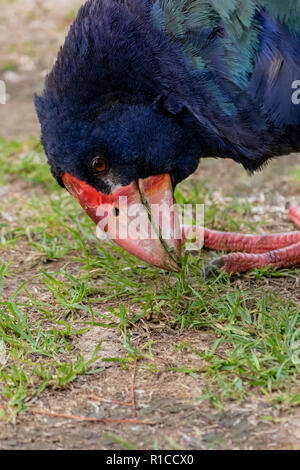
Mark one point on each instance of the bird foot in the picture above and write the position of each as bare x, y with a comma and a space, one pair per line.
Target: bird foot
252, 251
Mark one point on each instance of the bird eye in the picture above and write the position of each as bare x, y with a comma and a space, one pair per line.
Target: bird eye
100, 164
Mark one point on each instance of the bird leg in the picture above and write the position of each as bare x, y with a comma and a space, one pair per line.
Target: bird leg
252, 251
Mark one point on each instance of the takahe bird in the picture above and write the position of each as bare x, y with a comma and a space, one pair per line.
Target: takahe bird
142, 90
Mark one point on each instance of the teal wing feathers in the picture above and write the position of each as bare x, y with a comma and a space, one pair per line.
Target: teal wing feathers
254, 45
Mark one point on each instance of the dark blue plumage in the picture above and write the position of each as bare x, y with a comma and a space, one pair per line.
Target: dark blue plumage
155, 87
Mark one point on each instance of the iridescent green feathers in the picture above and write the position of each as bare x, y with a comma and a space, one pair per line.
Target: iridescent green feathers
227, 40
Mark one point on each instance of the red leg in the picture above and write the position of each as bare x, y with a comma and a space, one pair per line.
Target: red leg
294, 215
249, 243
242, 262
278, 250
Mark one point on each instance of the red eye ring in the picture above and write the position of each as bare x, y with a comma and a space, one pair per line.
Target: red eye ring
100, 164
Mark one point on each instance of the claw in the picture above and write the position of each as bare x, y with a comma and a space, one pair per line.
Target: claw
213, 267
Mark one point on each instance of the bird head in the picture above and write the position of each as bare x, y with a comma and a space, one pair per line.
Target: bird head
115, 128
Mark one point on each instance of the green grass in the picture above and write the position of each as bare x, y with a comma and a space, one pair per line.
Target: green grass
30, 166
255, 330
296, 174
37, 356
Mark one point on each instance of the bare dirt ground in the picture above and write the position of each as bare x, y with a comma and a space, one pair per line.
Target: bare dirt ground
30, 34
